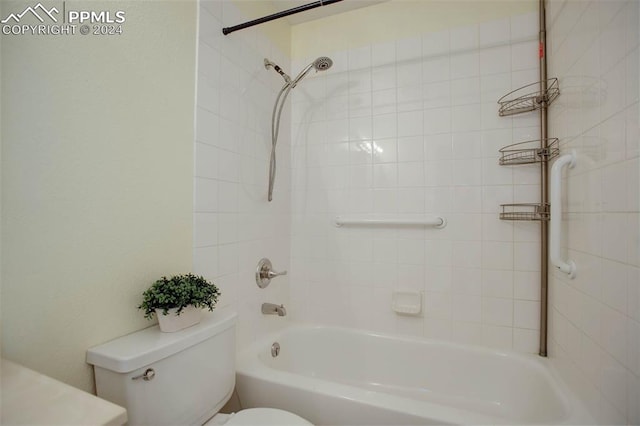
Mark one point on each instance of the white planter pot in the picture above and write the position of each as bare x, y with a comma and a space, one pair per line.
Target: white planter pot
172, 322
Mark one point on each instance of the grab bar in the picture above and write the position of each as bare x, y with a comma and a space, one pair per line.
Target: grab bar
436, 221
555, 227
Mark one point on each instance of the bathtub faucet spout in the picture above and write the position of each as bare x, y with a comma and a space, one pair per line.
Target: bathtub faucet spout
273, 309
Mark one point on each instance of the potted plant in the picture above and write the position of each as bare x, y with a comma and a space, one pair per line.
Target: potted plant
178, 301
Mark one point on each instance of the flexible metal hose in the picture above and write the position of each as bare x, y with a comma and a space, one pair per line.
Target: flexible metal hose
321, 64
275, 129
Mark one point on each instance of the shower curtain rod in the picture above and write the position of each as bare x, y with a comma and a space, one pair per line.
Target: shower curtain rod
278, 15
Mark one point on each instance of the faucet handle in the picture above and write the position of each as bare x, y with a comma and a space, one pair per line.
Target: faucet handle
273, 274
264, 273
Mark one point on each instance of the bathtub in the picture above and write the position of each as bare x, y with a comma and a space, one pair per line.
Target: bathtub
339, 376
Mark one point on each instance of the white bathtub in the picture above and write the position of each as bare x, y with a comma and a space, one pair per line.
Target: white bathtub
338, 376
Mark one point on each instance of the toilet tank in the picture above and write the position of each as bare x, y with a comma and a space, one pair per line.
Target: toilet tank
192, 371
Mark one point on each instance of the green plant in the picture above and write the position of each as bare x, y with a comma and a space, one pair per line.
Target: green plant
179, 292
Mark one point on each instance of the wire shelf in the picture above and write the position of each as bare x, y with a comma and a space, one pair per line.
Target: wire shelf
529, 152
525, 211
527, 98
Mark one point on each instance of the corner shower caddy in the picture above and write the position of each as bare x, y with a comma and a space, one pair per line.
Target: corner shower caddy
534, 97
538, 151
526, 98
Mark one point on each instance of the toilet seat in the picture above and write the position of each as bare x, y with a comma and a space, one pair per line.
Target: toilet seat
266, 417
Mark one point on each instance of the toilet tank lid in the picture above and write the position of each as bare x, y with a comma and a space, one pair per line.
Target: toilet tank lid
144, 347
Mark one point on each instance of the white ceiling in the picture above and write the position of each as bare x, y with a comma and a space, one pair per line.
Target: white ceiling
319, 12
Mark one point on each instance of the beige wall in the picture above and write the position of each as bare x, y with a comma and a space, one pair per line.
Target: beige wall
396, 19
278, 31
97, 180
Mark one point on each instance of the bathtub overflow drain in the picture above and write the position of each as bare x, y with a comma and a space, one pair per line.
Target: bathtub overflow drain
275, 349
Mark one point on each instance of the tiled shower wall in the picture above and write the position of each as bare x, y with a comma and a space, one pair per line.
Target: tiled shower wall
410, 128
595, 318
235, 226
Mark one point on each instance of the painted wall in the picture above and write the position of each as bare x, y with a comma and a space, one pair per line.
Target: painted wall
595, 318
235, 225
397, 19
97, 180
408, 127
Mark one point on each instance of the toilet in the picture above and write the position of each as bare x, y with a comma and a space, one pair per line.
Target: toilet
181, 378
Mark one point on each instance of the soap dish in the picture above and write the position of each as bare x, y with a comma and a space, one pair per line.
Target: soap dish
407, 303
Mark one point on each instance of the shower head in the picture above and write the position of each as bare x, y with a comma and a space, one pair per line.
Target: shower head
321, 64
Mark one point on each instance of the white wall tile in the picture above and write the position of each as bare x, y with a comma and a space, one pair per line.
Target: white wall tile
497, 337
465, 91
385, 126
526, 314
436, 94
409, 97
429, 104
206, 195
467, 281
467, 308
410, 174
497, 283
437, 121
467, 173
435, 43
411, 200
436, 68
359, 58
385, 201
408, 49
598, 307
498, 255
523, 26
383, 54
232, 147
385, 175
205, 231
410, 123
526, 340
496, 60
409, 73
463, 38
466, 118
383, 77
465, 65
524, 55
385, 151
497, 312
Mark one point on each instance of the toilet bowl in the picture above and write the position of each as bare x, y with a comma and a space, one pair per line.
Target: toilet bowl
183, 378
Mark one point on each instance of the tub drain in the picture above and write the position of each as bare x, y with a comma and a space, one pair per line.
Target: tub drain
275, 349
